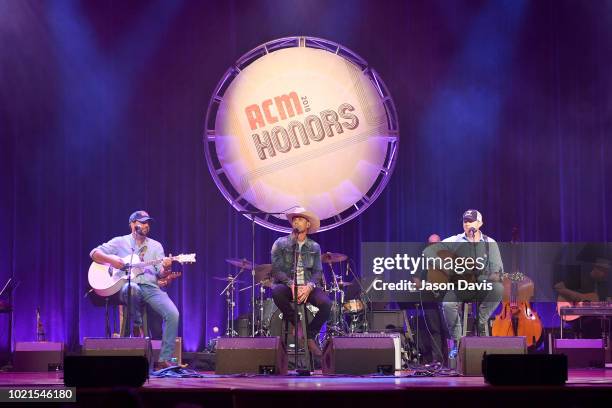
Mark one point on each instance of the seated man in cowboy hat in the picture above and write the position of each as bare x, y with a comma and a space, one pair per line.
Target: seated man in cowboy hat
306, 269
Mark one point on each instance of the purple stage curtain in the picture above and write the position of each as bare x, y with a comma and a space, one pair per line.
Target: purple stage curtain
503, 106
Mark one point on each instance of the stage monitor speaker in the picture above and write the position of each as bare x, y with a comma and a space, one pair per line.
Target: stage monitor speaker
38, 356
516, 369
105, 371
582, 353
255, 355
386, 321
472, 350
116, 346
178, 350
359, 355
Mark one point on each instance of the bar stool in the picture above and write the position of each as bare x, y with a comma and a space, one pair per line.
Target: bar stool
123, 329
303, 318
474, 308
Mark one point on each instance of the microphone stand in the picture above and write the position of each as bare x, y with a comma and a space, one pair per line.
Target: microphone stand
475, 313
252, 218
296, 251
129, 295
296, 248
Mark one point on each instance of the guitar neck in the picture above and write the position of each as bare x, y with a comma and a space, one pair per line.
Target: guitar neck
147, 263
182, 258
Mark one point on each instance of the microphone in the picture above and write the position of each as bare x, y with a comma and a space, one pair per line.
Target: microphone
138, 230
295, 230
472, 232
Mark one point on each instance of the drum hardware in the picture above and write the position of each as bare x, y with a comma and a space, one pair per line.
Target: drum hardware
363, 297
336, 325
263, 277
230, 290
230, 305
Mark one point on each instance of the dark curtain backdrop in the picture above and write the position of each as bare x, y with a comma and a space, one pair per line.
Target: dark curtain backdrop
504, 106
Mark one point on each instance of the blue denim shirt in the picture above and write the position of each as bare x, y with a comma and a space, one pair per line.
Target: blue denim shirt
283, 256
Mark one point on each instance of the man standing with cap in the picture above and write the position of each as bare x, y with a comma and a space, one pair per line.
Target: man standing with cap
308, 269
472, 243
144, 286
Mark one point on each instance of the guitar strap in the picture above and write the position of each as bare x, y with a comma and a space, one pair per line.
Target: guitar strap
486, 240
141, 252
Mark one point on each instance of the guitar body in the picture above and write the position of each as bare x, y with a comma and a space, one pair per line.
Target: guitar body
517, 318
106, 280
165, 282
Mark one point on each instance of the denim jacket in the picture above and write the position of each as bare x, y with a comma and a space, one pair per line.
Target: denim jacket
283, 256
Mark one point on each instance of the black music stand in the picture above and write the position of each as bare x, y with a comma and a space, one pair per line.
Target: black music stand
7, 307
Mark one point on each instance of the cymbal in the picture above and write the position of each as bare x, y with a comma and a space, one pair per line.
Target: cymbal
331, 257
262, 272
227, 279
240, 263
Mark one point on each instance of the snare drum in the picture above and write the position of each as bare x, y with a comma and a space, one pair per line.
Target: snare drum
352, 306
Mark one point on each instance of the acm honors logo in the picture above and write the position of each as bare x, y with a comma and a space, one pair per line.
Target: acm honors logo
300, 131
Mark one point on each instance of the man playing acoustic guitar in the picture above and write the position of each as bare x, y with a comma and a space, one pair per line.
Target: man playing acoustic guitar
472, 243
145, 288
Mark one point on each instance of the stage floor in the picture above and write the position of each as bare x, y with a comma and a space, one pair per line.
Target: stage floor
584, 388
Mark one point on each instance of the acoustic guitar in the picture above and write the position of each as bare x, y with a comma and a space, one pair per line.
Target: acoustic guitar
106, 280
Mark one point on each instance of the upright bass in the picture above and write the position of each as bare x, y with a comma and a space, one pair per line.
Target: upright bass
517, 318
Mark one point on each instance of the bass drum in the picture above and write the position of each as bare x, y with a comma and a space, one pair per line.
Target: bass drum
276, 326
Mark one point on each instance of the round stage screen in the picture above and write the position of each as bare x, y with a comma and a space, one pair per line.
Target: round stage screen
304, 122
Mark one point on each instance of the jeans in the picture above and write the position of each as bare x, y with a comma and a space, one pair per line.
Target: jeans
161, 303
453, 301
283, 299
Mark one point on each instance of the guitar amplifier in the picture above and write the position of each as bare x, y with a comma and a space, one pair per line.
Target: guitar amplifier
38, 356
178, 350
386, 320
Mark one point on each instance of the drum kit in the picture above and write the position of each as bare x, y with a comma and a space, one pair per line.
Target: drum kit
348, 313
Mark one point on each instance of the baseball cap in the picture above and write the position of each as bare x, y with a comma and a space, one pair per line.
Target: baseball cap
472, 215
141, 216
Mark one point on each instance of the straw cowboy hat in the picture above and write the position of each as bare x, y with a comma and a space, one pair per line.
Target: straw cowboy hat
315, 223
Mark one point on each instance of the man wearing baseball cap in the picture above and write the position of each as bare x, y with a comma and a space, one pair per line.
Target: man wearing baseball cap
308, 270
144, 286
473, 243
